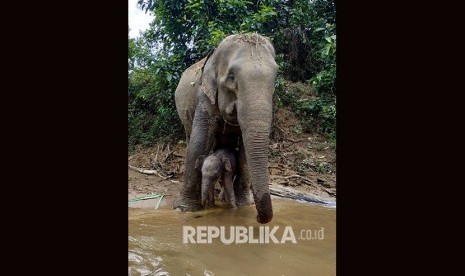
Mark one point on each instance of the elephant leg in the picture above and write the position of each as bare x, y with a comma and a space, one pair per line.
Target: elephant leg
230, 197
225, 194
200, 144
241, 185
221, 194
211, 195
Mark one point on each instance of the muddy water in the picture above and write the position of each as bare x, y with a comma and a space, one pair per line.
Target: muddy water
156, 247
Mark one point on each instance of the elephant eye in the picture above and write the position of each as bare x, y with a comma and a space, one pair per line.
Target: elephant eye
231, 76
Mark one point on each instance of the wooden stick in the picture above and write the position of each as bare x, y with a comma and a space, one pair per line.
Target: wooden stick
156, 155
168, 155
150, 172
294, 141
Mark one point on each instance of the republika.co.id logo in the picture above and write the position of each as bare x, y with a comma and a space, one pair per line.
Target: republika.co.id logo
243, 234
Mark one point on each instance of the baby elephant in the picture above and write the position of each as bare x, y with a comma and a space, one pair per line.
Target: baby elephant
221, 165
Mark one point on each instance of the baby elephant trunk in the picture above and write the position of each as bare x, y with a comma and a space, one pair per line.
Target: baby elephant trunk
207, 192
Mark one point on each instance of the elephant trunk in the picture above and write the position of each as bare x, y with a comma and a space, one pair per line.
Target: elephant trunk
256, 137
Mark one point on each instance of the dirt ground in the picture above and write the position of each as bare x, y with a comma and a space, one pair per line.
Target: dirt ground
299, 164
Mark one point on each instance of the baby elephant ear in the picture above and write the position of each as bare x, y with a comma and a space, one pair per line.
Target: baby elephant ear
199, 162
227, 164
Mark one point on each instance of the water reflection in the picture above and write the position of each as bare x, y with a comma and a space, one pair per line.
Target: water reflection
155, 242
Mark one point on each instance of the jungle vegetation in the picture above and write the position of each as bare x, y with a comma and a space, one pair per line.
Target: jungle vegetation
184, 31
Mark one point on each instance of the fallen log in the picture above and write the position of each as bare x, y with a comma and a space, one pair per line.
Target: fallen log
151, 172
296, 195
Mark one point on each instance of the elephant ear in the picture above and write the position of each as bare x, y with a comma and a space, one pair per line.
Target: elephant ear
208, 82
227, 164
199, 162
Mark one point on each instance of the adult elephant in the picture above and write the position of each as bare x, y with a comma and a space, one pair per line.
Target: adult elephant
225, 100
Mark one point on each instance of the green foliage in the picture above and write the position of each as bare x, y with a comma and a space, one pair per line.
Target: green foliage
316, 110
319, 113
184, 31
306, 52
152, 79
321, 167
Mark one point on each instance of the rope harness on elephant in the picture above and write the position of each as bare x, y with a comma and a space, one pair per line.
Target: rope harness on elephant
226, 122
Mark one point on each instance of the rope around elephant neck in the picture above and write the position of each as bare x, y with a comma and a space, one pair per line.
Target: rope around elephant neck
226, 122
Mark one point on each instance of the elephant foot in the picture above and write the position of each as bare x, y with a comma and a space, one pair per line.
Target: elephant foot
186, 204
